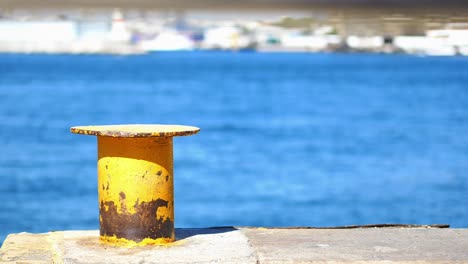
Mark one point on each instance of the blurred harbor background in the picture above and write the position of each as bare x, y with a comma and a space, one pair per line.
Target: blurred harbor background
427, 28
309, 116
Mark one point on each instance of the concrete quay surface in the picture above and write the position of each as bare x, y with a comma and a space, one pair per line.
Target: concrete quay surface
249, 245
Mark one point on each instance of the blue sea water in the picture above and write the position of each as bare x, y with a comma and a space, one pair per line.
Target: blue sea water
286, 140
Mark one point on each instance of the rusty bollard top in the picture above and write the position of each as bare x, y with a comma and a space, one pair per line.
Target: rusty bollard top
135, 182
140, 130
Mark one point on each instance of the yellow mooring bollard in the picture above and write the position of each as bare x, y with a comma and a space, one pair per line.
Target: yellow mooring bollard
135, 182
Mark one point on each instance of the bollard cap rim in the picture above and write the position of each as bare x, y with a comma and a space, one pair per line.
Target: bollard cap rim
136, 130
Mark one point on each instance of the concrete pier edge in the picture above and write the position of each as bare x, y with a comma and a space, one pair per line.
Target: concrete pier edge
249, 245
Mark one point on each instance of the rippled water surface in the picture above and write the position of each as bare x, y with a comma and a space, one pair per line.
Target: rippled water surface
286, 140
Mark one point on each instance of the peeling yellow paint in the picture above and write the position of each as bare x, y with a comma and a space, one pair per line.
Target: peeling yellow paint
135, 170
56, 243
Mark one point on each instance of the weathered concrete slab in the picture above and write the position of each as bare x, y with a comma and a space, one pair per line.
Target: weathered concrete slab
28, 248
249, 245
370, 245
225, 245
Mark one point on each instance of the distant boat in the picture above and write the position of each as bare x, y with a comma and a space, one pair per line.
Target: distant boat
425, 45
168, 41
441, 51
463, 50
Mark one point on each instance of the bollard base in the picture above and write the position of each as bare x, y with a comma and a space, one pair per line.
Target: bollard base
126, 243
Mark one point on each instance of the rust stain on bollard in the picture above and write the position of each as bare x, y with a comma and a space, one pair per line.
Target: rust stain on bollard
135, 182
